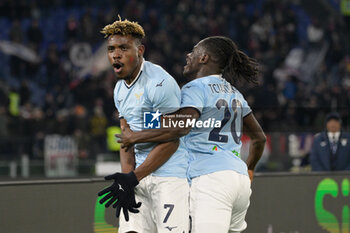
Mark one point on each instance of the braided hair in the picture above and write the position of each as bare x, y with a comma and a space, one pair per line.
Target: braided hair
235, 64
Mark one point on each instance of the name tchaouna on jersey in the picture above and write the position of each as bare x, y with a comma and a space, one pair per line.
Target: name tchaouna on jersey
218, 88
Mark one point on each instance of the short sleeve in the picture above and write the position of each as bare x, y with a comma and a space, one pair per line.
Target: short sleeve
164, 95
116, 102
192, 96
246, 108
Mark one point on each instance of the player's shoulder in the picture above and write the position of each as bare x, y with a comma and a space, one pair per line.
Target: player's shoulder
117, 86
194, 84
155, 73
239, 94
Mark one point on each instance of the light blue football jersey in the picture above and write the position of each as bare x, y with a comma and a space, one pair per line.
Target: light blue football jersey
215, 149
153, 89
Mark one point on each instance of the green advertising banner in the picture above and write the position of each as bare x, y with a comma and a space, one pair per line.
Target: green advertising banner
308, 203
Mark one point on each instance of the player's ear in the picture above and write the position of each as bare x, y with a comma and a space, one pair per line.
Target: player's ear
140, 50
204, 58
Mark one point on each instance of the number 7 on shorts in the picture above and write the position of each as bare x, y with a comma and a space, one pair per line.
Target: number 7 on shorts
171, 208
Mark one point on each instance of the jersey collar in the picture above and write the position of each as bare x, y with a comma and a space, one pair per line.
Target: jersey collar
217, 75
137, 76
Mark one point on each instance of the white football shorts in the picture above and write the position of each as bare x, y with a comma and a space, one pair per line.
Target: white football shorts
164, 209
219, 202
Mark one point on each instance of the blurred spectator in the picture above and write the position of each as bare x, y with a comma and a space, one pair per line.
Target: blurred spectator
14, 102
52, 64
35, 11
16, 34
72, 29
34, 33
290, 88
49, 109
16, 64
24, 92
3, 122
345, 10
62, 125
38, 129
79, 119
315, 33
83, 142
89, 33
98, 126
3, 94
331, 149
32, 69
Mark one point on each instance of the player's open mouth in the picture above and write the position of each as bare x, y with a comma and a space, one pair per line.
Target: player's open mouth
118, 67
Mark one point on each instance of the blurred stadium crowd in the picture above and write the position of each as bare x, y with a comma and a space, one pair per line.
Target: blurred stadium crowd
304, 57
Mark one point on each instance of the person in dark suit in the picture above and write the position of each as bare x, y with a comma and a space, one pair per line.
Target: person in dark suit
331, 149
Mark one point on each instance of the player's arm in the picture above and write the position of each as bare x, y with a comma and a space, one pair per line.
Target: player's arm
130, 177
127, 157
121, 192
129, 138
156, 158
254, 131
165, 98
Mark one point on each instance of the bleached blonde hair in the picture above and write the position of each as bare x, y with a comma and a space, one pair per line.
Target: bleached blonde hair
124, 27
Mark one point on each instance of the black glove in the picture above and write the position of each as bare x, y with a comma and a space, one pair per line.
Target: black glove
122, 191
128, 203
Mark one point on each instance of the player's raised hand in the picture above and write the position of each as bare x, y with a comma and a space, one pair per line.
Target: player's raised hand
126, 138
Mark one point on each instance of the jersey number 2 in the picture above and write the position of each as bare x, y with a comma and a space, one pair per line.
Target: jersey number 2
236, 106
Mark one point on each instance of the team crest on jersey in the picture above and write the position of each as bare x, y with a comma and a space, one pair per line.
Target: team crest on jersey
151, 120
138, 95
